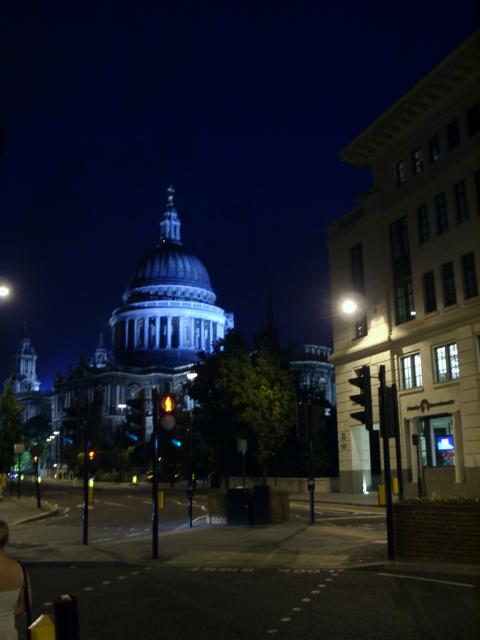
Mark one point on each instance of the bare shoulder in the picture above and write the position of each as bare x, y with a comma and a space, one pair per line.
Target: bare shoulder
12, 572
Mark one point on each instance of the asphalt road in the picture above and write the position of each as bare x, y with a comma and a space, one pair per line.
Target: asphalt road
157, 601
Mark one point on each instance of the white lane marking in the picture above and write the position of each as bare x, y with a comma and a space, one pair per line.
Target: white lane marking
315, 591
328, 579
88, 588
306, 600
353, 517
135, 573
322, 585
296, 609
121, 577
47, 604
285, 619
106, 582
146, 502
113, 504
147, 568
379, 542
405, 577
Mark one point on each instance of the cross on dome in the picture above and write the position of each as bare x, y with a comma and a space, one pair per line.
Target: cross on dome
170, 225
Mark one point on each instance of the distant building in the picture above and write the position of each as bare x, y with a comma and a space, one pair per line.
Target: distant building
409, 256
26, 385
314, 371
167, 317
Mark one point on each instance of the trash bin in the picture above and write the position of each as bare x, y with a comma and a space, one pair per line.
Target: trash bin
239, 506
66, 617
262, 512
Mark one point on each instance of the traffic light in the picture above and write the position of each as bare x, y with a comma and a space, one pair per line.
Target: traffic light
91, 455
136, 418
70, 423
167, 411
364, 398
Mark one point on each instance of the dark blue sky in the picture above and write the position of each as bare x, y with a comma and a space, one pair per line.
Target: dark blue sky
241, 106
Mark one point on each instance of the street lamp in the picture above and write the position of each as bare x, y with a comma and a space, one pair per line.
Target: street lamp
5, 290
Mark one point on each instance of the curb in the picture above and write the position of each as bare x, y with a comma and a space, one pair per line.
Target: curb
54, 511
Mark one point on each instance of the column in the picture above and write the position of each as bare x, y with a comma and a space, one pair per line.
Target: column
146, 327
125, 337
135, 327
169, 332
157, 332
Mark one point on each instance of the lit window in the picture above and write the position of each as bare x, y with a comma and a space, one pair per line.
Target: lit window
412, 371
401, 171
417, 161
434, 146
446, 362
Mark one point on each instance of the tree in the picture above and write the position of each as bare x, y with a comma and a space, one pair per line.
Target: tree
243, 395
10, 426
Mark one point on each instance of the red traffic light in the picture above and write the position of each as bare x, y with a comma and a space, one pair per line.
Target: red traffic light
168, 403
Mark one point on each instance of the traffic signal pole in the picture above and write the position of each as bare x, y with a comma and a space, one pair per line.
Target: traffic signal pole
384, 432
85, 483
37, 482
155, 413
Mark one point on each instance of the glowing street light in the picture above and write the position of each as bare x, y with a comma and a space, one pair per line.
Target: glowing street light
4, 291
349, 306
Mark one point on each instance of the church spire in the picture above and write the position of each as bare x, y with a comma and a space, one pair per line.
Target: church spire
170, 225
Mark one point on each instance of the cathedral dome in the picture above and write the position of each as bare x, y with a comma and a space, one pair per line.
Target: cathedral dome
170, 264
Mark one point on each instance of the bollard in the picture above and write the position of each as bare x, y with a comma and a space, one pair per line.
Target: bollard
395, 486
91, 484
43, 628
66, 617
381, 495
161, 500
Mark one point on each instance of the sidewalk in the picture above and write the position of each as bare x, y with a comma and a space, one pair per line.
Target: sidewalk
15, 511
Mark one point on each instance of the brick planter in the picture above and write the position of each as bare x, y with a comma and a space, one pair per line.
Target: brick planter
446, 532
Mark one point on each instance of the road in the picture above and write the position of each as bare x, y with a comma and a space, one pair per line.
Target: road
288, 581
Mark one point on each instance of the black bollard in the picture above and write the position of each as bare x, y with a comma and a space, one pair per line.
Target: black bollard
66, 617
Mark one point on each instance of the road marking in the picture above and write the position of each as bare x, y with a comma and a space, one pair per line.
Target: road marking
322, 585
285, 619
47, 604
315, 591
272, 631
405, 577
328, 579
113, 504
121, 577
135, 573
306, 600
353, 517
88, 588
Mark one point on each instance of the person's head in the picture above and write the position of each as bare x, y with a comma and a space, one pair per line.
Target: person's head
4, 533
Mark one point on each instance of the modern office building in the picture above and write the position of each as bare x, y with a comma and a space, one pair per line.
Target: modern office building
407, 258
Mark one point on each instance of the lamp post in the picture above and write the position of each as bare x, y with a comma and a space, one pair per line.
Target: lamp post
191, 473
5, 291
18, 449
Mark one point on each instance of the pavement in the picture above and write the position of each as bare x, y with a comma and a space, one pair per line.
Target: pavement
292, 544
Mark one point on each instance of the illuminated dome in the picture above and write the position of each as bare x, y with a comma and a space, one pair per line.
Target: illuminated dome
168, 314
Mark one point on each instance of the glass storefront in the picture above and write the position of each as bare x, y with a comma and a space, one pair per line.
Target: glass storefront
437, 446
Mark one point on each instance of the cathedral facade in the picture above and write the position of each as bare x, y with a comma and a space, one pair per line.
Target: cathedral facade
167, 317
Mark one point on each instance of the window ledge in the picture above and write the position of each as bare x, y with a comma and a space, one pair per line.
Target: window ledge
411, 392
446, 383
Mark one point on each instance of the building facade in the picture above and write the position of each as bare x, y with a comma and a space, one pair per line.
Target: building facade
408, 258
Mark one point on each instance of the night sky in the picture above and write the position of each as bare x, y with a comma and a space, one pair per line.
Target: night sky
241, 106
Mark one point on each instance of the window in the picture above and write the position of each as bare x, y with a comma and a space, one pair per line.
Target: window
470, 289
423, 227
404, 302
461, 201
437, 445
434, 147
401, 171
453, 135
442, 213
449, 293
429, 292
399, 236
417, 161
446, 362
473, 120
412, 371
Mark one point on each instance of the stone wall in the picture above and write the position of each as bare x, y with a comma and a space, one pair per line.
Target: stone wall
445, 532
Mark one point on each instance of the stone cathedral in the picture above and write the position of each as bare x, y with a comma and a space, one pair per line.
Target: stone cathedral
167, 316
